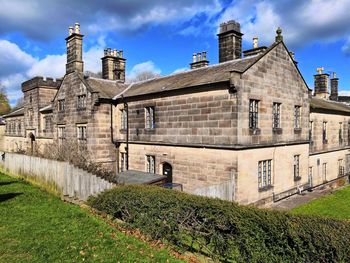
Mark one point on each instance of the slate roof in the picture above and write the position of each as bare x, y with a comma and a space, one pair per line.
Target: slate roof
15, 113
323, 104
137, 177
190, 78
106, 88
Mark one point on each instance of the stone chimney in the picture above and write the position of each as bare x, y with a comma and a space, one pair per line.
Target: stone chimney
334, 87
74, 50
199, 60
230, 41
321, 84
113, 65
255, 50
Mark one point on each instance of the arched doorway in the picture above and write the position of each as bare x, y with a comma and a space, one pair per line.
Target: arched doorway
32, 142
168, 172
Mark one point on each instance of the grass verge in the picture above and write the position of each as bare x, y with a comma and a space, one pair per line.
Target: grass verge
36, 226
335, 205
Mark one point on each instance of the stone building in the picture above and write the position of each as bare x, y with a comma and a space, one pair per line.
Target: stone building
247, 129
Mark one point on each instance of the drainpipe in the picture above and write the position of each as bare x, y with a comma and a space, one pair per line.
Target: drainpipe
127, 135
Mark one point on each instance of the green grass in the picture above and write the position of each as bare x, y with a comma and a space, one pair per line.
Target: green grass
335, 205
36, 226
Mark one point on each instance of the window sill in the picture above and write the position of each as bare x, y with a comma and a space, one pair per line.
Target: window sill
277, 130
254, 131
297, 130
265, 188
122, 130
296, 179
81, 109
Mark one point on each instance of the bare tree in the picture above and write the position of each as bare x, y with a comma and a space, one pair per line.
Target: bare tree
4, 102
145, 75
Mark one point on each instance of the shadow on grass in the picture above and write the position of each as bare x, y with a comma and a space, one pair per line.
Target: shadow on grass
8, 196
6, 183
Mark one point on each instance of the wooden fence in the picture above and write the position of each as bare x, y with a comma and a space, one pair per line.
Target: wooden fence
63, 177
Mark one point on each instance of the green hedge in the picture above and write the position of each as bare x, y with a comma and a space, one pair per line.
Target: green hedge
225, 230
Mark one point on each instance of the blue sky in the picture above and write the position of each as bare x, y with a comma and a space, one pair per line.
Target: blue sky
160, 36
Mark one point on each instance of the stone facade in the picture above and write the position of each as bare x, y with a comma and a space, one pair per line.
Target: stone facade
245, 122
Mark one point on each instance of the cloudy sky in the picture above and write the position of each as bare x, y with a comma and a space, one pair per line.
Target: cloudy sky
160, 36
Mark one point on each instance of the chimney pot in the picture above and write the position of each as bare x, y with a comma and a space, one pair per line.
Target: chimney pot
194, 58
121, 53
115, 53
204, 55
77, 28
199, 56
71, 30
255, 42
319, 70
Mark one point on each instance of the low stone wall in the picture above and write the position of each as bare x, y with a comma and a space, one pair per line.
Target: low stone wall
61, 177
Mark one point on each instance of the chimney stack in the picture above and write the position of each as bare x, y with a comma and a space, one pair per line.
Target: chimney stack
113, 65
255, 50
321, 84
334, 87
230, 41
199, 60
74, 50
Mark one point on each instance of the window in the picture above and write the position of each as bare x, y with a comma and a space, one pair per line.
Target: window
150, 167
81, 135
48, 123
123, 119
297, 117
264, 174
30, 98
19, 128
348, 133
296, 168
149, 114
340, 136
61, 105
81, 102
324, 132
324, 171
61, 134
340, 167
253, 114
276, 118
122, 162
310, 176
311, 130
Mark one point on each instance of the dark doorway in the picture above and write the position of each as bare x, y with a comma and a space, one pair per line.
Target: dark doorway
168, 172
32, 141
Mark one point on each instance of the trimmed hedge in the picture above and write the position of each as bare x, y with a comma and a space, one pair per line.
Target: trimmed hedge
225, 230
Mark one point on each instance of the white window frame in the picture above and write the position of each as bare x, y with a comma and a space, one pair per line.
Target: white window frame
149, 117
264, 174
150, 163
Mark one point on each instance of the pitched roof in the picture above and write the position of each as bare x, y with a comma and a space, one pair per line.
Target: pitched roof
106, 88
14, 113
191, 78
46, 108
328, 105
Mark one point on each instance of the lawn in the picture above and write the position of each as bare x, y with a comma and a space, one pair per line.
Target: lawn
36, 226
335, 205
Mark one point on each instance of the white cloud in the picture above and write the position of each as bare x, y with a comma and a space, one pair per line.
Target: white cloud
16, 66
13, 59
302, 21
179, 70
147, 66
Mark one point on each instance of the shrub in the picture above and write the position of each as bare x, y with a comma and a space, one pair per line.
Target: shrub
225, 230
